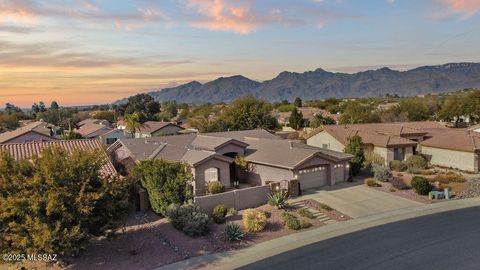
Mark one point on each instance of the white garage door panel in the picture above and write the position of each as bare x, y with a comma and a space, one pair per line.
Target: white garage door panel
313, 177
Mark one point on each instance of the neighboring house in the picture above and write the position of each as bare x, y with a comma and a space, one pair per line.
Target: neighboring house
94, 121
106, 135
392, 142
157, 128
211, 158
121, 124
35, 131
387, 106
27, 150
455, 148
308, 114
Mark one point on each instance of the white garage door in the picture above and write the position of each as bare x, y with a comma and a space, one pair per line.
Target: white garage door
312, 177
339, 173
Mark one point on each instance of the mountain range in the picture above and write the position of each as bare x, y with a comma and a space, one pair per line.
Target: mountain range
319, 84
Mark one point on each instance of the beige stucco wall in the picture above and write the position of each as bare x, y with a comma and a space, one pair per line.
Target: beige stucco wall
383, 152
199, 174
467, 161
259, 174
322, 138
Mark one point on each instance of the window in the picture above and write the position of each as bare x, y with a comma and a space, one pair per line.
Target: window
211, 174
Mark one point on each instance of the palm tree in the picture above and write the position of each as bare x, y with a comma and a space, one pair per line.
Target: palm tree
133, 123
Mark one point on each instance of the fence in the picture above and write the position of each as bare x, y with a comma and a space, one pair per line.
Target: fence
238, 198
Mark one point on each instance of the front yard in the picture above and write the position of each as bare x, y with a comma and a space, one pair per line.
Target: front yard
150, 241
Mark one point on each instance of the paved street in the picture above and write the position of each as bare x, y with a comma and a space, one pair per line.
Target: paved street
449, 240
357, 200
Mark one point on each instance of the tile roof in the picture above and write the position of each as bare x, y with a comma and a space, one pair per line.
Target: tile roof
343, 132
455, 139
242, 134
38, 127
29, 150
286, 154
93, 130
153, 126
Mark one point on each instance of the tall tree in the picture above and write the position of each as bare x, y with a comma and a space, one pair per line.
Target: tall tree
296, 119
319, 120
54, 105
355, 147
249, 113
133, 123
141, 103
356, 113
11, 109
297, 102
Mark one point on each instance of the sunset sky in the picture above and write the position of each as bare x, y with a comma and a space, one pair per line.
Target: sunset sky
90, 52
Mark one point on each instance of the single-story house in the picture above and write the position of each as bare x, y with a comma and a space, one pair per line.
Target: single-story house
455, 148
389, 146
27, 150
89, 121
157, 128
211, 157
105, 134
35, 131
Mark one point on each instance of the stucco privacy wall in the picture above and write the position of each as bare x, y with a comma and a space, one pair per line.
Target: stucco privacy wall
322, 138
238, 198
259, 174
467, 161
223, 174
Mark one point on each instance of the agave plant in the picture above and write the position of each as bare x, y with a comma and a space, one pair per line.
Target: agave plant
233, 232
278, 199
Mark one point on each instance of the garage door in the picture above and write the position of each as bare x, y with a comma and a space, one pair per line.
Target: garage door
312, 177
339, 173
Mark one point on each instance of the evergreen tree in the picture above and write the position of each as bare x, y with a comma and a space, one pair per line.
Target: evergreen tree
355, 147
296, 119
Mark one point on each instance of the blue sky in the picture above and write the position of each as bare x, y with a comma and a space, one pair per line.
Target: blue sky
87, 51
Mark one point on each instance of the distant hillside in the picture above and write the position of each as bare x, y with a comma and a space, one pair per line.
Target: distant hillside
320, 84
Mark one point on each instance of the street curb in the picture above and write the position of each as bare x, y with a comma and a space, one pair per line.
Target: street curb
237, 258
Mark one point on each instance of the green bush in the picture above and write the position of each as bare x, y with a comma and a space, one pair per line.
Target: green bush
254, 220
421, 185
291, 221
188, 218
417, 162
371, 182
231, 212
233, 232
381, 173
166, 182
219, 213
278, 199
398, 166
303, 212
215, 187
305, 224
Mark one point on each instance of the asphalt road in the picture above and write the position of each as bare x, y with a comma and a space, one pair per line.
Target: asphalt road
445, 241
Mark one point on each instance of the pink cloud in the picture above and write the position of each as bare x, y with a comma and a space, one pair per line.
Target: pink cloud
222, 15
16, 11
466, 8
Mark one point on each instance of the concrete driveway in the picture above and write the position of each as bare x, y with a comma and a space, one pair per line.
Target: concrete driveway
357, 200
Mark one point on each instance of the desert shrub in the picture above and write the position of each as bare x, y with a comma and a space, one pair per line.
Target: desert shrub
166, 182
398, 166
398, 183
413, 170
448, 178
231, 212
278, 199
254, 220
427, 172
188, 218
305, 224
393, 190
421, 185
215, 187
381, 173
303, 212
372, 158
219, 213
371, 182
291, 221
233, 232
416, 161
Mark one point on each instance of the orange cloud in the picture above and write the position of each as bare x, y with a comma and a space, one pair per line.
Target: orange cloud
16, 12
467, 7
222, 15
